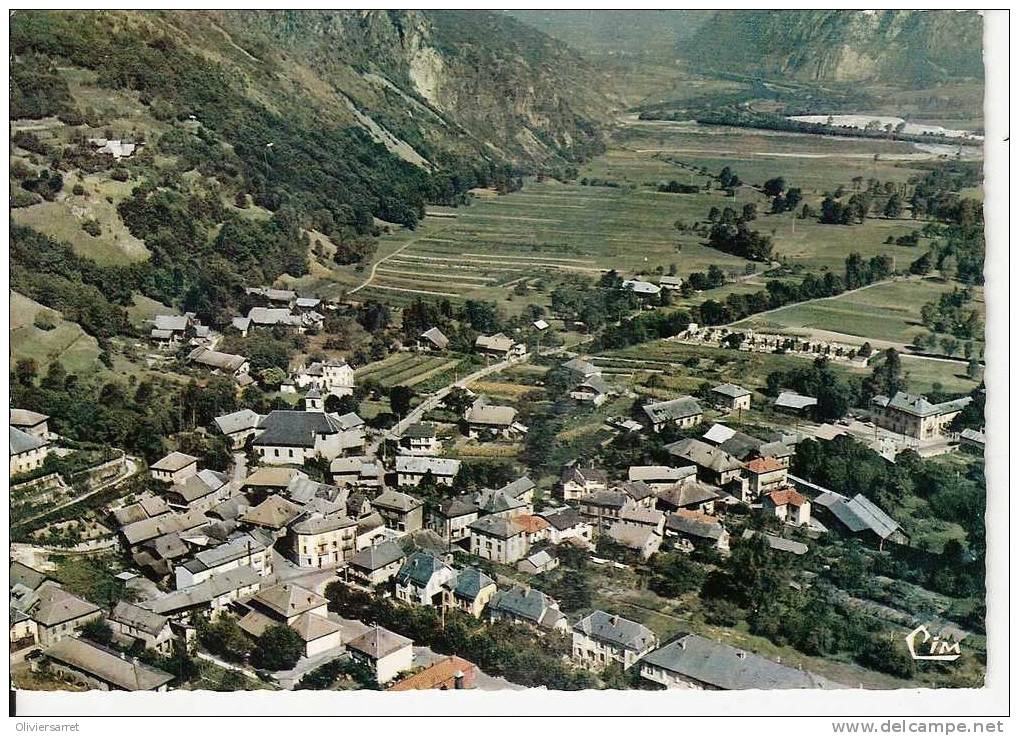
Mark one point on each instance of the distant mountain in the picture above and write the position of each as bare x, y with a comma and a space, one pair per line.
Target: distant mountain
618, 33
909, 48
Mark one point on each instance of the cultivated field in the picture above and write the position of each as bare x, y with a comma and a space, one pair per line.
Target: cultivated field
621, 221
415, 370
888, 312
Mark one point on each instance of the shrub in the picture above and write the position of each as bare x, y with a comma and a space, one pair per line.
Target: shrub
45, 321
92, 227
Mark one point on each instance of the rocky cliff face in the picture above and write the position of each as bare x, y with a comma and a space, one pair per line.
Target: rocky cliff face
441, 79
899, 47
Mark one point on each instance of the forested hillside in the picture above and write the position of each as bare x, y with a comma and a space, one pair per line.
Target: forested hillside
257, 129
900, 47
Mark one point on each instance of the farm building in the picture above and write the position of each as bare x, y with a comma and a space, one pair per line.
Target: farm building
682, 412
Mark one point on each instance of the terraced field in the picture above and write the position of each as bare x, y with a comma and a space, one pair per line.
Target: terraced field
408, 369
549, 228
483, 250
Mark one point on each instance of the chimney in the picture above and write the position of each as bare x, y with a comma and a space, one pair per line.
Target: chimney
741, 654
458, 680
614, 620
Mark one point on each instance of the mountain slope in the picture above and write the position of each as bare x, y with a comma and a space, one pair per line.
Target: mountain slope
899, 47
261, 131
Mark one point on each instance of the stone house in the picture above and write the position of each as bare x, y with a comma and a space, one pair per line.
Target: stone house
400, 511
601, 638
578, 482
384, 652
422, 579
152, 629
322, 541
731, 397
411, 470
683, 412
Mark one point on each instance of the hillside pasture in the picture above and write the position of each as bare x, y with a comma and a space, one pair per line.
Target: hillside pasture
66, 343
887, 312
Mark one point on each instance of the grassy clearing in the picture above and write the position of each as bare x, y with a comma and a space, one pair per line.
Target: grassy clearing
67, 342
63, 219
889, 312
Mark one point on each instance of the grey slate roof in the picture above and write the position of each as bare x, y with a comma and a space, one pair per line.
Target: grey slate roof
660, 473
469, 583
396, 501
203, 593
109, 666
606, 499
136, 616
704, 455
728, 668
22, 574
56, 605
23, 442
419, 568
918, 406
518, 487
583, 475
173, 462
667, 411
199, 485
289, 599
496, 526
780, 544
238, 421
691, 493
322, 524
731, 390
235, 549
638, 490
859, 514
528, 604
973, 435
694, 527
616, 631
377, 556
378, 642
288, 428
741, 446
451, 508
565, 519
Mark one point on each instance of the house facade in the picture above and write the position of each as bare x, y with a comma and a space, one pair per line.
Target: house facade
600, 639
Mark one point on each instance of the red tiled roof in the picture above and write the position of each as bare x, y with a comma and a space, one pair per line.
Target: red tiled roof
786, 496
530, 524
442, 673
764, 465
696, 516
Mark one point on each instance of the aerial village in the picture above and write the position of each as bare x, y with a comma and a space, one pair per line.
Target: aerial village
273, 569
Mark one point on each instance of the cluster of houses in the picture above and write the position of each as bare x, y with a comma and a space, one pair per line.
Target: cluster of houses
320, 500
279, 308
